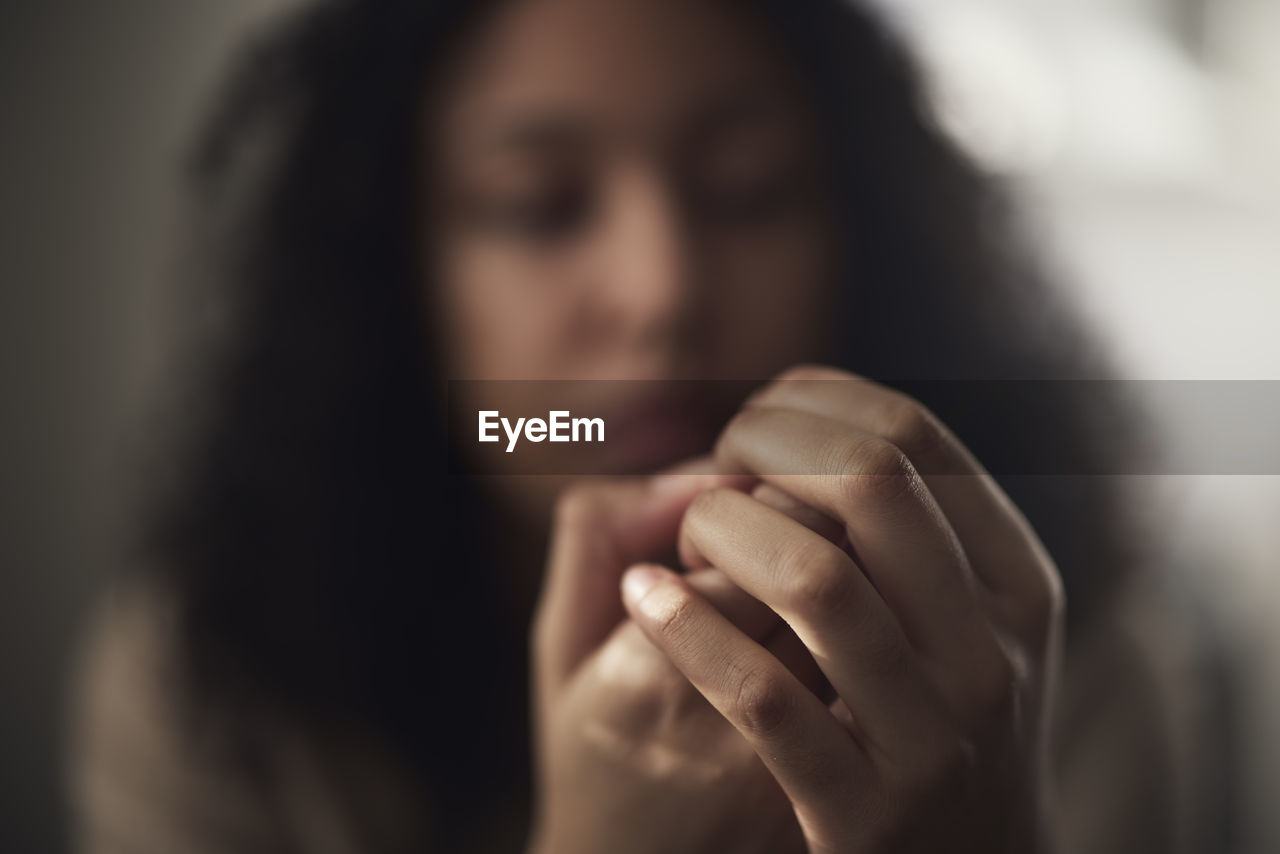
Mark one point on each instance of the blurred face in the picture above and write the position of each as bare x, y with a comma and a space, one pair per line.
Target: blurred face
625, 189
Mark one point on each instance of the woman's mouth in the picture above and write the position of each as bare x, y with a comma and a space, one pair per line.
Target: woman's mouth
660, 429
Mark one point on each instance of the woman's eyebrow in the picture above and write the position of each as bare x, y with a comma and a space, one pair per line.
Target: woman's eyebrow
744, 107
561, 131
545, 131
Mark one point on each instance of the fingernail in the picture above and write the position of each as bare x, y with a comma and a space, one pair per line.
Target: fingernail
639, 580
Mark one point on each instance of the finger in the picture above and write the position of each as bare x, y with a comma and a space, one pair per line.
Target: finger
783, 643
900, 537
828, 528
832, 607
600, 528
771, 496
1000, 543
794, 733
763, 625
634, 682
820, 523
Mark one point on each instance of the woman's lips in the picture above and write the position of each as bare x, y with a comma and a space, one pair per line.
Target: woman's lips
654, 434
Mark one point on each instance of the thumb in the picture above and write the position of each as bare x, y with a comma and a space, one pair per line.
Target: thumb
601, 527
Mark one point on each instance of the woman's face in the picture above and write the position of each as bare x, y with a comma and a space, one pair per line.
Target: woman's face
624, 189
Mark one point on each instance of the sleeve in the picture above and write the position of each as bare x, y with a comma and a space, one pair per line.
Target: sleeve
1136, 767
157, 770
139, 782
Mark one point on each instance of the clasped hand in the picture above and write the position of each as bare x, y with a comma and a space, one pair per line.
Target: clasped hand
860, 658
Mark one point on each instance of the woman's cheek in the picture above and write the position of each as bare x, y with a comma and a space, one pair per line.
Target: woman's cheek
503, 319
773, 294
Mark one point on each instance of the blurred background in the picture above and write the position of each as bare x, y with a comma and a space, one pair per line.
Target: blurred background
1142, 135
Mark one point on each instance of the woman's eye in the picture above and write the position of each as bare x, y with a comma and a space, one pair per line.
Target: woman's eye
540, 217
746, 203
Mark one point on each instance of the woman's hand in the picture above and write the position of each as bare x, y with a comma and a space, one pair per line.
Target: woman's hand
937, 623
630, 757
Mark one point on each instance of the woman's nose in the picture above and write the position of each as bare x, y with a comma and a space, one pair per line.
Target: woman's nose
648, 261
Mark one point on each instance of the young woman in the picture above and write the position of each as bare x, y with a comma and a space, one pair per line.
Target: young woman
327, 650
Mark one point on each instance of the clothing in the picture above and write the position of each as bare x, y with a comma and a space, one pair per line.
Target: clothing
155, 772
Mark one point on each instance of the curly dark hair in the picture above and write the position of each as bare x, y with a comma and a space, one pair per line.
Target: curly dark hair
320, 550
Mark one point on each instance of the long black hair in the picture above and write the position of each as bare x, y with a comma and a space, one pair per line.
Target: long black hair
319, 550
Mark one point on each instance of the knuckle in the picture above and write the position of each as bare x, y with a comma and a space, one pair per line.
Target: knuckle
673, 613
762, 703
706, 506
738, 424
1045, 600
875, 471
811, 372
879, 457
780, 388
916, 430
821, 582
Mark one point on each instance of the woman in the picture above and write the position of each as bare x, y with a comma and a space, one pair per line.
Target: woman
328, 648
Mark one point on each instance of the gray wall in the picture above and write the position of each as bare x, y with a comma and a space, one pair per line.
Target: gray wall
97, 102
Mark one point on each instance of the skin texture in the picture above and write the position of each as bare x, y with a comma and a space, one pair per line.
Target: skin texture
630, 756
862, 654
885, 642
625, 191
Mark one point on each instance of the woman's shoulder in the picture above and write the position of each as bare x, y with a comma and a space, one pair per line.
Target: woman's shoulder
161, 764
